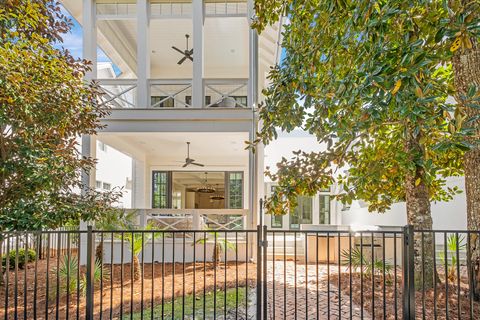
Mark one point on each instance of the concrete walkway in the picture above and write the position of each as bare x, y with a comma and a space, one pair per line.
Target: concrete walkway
285, 301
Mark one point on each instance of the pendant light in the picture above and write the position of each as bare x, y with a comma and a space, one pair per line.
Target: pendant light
206, 188
217, 196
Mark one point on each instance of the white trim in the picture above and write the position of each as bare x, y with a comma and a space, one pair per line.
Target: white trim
198, 63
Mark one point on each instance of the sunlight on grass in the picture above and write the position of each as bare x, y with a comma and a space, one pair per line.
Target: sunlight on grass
212, 311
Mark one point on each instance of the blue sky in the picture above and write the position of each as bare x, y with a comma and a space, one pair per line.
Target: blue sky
73, 41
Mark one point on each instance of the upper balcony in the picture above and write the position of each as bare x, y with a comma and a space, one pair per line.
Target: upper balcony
175, 54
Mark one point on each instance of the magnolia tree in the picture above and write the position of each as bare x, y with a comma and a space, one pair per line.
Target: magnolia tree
371, 80
45, 105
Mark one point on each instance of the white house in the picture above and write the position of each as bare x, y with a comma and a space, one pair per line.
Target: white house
324, 209
183, 84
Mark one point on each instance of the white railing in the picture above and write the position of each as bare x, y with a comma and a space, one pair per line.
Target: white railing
227, 93
193, 219
227, 8
176, 93
173, 9
118, 93
116, 11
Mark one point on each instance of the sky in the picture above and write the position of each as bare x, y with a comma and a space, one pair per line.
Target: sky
73, 41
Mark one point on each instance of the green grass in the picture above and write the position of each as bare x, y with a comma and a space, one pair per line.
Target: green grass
231, 302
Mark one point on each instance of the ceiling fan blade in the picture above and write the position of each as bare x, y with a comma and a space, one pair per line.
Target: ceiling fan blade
198, 164
186, 164
176, 49
190, 52
189, 57
182, 60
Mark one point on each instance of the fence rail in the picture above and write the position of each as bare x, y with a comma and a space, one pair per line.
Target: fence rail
387, 273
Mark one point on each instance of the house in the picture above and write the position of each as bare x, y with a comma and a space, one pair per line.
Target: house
183, 85
323, 209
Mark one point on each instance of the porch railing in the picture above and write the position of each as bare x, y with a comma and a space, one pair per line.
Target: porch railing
118, 93
166, 94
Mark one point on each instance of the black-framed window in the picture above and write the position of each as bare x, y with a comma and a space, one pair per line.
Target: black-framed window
161, 189
188, 100
235, 190
277, 219
303, 212
324, 209
168, 103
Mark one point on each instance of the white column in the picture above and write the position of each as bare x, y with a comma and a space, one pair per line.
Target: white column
198, 91
89, 149
252, 219
138, 184
252, 59
143, 53
89, 28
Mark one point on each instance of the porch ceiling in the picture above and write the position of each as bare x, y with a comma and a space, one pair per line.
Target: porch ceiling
170, 149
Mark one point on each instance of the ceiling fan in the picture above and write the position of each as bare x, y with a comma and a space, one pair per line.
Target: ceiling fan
187, 53
189, 161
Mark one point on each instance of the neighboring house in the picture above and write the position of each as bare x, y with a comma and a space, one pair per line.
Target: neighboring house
324, 209
114, 170
181, 71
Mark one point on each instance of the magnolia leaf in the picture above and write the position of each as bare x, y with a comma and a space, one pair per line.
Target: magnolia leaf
418, 181
456, 44
397, 86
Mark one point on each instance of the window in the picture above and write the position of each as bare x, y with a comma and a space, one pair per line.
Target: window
102, 146
177, 200
277, 220
168, 102
242, 101
188, 100
324, 209
302, 213
160, 189
107, 186
235, 190
98, 184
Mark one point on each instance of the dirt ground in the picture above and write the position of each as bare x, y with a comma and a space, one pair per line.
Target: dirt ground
112, 299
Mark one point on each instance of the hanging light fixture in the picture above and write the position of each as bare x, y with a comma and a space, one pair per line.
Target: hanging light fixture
206, 188
217, 196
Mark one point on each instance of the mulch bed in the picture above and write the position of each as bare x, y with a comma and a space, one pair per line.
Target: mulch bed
428, 304
118, 294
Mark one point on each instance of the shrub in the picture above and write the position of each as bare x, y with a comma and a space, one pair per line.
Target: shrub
22, 259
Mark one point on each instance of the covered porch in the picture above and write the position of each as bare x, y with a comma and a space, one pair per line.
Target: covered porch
203, 185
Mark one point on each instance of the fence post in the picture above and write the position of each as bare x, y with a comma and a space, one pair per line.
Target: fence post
408, 270
90, 273
259, 272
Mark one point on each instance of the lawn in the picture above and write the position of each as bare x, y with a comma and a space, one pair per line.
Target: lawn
208, 306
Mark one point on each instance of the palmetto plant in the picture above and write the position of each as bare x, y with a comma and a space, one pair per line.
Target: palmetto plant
355, 259
454, 243
136, 240
221, 245
68, 276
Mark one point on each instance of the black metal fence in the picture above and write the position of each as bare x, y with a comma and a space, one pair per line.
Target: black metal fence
334, 273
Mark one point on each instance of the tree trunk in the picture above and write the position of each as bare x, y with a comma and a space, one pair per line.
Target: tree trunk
419, 215
137, 271
466, 68
216, 255
99, 252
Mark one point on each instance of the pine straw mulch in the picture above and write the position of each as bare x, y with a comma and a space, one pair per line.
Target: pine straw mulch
114, 296
429, 304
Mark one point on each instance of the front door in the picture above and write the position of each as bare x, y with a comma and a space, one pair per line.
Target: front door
302, 213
